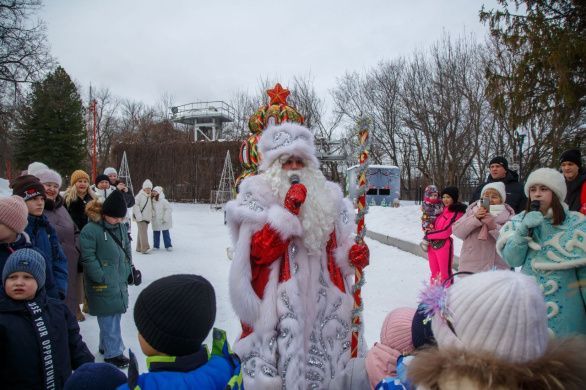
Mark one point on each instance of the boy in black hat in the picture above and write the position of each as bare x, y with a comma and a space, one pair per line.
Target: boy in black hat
40, 342
102, 186
173, 316
571, 167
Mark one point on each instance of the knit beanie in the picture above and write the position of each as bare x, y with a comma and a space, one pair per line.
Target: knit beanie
49, 176
453, 192
174, 314
499, 160
76, 175
550, 178
395, 340
109, 171
35, 167
95, 376
498, 186
102, 177
499, 312
25, 260
421, 333
147, 184
572, 155
13, 213
27, 187
114, 205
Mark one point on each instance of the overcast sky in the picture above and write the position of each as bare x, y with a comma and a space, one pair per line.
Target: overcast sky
207, 50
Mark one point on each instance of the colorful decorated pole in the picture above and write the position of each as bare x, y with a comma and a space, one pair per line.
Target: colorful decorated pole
363, 125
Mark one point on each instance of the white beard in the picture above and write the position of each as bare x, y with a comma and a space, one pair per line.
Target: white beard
318, 212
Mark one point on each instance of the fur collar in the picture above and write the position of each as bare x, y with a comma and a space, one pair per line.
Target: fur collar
94, 210
561, 367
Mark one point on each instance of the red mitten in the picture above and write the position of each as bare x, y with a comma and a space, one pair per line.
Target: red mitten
359, 255
295, 198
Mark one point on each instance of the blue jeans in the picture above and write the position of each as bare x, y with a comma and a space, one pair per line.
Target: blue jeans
111, 335
157, 238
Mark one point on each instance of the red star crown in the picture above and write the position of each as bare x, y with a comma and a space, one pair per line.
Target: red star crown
278, 94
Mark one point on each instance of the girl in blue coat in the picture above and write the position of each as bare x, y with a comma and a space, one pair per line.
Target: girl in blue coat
550, 244
40, 343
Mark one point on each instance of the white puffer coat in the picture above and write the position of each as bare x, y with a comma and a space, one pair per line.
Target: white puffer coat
162, 212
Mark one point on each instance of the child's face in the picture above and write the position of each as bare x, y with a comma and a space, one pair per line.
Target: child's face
433, 195
447, 200
21, 286
113, 220
103, 185
7, 235
36, 205
543, 194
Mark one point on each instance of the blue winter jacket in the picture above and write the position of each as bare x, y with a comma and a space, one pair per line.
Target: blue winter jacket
44, 238
220, 370
556, 257
23, 241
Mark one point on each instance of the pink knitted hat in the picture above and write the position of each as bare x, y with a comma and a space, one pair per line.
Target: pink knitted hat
396, 330
13, 213
395, 337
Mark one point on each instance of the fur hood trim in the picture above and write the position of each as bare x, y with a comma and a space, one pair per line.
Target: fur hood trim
94, 210
561, 367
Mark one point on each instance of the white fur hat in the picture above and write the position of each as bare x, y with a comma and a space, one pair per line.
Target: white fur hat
147, 184
35, 167
109, 170
499, 312
49, 176
498, 186
548, 177
287, 139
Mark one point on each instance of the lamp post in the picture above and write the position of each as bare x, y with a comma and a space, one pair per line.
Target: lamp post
521, 134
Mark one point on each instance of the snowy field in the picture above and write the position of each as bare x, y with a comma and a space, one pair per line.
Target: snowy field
200, 240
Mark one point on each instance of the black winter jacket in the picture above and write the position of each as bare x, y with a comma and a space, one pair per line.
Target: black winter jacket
20, 352
575, 188
77, 210
515, 191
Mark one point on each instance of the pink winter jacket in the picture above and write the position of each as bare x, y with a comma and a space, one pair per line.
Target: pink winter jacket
479, 249
444, 222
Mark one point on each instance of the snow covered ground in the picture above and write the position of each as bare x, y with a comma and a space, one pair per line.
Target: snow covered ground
200, 239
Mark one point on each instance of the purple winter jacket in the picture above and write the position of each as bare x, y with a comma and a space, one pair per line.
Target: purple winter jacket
479, 248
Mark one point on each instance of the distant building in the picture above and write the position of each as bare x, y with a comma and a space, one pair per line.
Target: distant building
384, 184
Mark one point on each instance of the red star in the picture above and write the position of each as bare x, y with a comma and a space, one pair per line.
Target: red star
278, 94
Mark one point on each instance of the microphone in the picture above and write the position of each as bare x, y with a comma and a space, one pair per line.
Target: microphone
533, 206
294, 179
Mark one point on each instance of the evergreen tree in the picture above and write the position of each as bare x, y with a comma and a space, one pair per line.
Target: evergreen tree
547, 38
52, 127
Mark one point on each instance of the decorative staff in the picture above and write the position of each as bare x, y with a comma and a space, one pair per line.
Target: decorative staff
363, 126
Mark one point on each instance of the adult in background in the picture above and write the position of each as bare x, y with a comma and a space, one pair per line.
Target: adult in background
162, 219
479, 229
105, 253
120, 186
571, 166
292, 275
499, 171
102, 187
77, 196
548, 244
143, 214
68, 235
40, 231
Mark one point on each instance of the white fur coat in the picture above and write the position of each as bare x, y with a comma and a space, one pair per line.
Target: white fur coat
302, 327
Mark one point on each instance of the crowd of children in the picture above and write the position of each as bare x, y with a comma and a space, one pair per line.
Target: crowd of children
493, 328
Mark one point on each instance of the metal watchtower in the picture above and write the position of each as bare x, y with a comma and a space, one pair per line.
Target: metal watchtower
207, 118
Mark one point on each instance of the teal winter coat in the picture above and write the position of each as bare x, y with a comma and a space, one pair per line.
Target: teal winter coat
556, 257
105, 266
